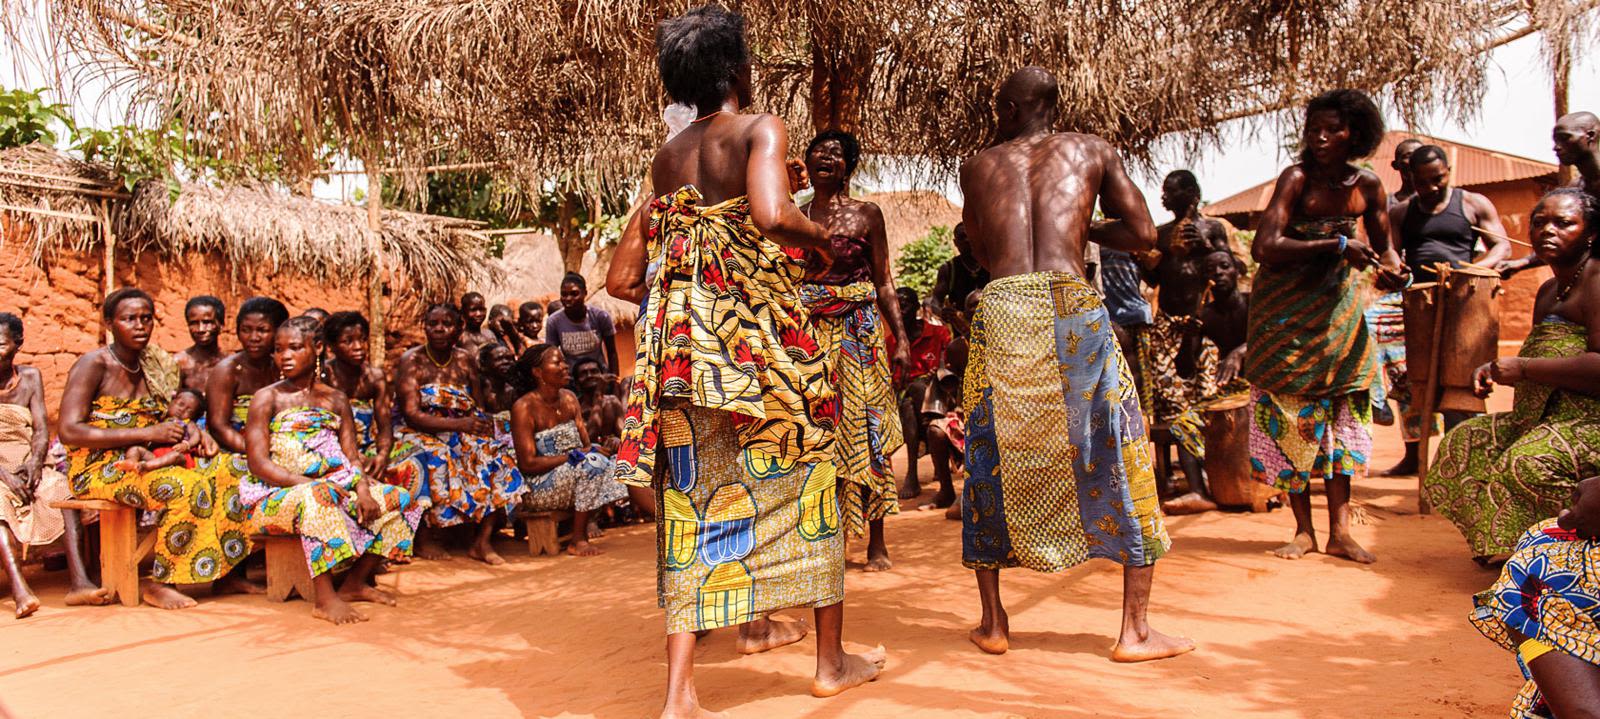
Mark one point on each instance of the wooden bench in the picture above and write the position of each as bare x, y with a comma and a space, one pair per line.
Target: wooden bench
544, 534
121, 548
287, 572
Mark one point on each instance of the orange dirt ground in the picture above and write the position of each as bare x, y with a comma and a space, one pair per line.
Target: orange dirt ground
571, 637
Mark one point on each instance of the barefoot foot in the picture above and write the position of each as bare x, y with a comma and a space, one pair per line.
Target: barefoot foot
429, 549
88, 595
163, 596
853, 671
910, 490
1346, 547
953, 512
336, 610
584, 549
1191, 503
485, 553
1154, 645
236, 584
943, 499
27, 604
773, 633
1300, 546
993, 640
364, 593
878, 561
688, 709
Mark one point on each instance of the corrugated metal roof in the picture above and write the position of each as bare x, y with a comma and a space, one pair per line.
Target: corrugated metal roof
1470, 166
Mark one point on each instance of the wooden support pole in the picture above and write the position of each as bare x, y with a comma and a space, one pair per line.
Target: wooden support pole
1561, 69
1430, 390
108, 273
378, 340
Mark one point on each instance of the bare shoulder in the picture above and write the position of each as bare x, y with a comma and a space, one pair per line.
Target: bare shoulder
569, 400
1368, 181
375, 375
28, 374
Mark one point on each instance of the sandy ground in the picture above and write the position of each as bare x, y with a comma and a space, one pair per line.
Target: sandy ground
569, 637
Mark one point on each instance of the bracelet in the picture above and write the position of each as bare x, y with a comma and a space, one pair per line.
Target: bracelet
1343, 243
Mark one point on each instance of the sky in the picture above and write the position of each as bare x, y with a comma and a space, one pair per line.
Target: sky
1516, 115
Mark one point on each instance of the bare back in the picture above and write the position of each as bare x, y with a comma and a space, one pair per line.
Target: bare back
712, 154
1030, 203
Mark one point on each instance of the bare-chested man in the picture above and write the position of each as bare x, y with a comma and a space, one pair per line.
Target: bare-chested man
1029, 206
1177, 362
1402, 165
204, 315
1576, 142
474, 310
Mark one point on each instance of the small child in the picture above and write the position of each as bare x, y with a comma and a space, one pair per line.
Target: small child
186, 407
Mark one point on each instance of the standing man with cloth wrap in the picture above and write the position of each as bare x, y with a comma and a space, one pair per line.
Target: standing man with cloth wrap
1057, 457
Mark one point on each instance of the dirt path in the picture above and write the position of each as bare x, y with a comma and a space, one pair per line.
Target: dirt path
569, 637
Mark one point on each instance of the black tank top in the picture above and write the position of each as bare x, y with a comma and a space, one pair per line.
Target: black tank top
1446, 237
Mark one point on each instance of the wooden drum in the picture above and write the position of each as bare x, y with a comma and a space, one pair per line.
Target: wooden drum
1227, 436
1469, 333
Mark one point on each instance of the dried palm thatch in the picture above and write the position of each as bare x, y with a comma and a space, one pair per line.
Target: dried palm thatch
271, 231
251, 227
546, 86
60, 198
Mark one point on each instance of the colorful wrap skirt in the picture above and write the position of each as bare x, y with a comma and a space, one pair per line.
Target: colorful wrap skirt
741, 533
1500, 472
849, 328
1295, 439
582, 487
1057, 457
466, 476
201, 530
33, 523
1549, 591
305, 441
404, 469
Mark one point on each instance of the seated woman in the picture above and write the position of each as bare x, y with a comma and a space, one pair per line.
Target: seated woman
496, 365
107, 407
562, 470
1546, 608
346, 335
300, 435
27, 487
237, 377
1497, 474
468, 479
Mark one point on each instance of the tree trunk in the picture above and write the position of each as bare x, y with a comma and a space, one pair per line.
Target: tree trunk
839, 79
568, 237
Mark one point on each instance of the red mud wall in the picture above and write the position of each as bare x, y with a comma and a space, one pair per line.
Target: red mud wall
60, 305
1514, 201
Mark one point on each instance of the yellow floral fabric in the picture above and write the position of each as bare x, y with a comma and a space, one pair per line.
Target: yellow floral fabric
722, 327
202, 533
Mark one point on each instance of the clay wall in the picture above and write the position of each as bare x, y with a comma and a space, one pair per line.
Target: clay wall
60, 305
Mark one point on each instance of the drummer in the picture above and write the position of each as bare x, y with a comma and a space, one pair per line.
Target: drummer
1441, 224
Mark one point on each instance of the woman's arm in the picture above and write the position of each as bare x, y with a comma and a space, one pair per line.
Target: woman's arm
347, 428
888, 301
625, 279
382, 421
411, 403
220, 387
39, 444
772, 207
523, 430
83, 381
258, 442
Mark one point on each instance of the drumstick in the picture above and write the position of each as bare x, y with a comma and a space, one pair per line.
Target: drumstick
1512, 240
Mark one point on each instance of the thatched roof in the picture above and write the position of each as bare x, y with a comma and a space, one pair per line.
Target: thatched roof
546, 86
255, 228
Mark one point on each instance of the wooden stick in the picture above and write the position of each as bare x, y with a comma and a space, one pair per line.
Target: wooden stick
56, 178
85, 191
378, 342
110, 270
51, 213
429, 168
1512, 240
1429, 390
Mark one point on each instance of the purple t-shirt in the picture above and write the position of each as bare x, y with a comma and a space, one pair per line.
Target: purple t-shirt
578, 340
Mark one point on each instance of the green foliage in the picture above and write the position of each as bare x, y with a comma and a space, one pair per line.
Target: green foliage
25, 118
918, 264
602, 231
137, 154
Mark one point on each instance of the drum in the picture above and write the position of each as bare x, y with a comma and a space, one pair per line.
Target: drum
1227, 436
1469, 334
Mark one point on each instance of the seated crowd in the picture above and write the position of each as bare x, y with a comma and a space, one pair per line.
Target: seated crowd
298, 434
